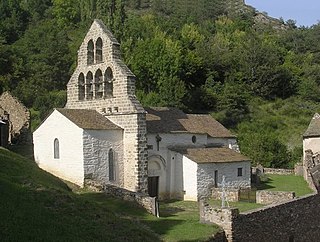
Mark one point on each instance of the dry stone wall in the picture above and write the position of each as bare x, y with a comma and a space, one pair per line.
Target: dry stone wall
297, 220
269, 197
231, 193
149, 203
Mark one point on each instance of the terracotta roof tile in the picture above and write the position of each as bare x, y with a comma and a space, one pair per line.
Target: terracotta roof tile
172, 120
211, 155
314, 127
88, 119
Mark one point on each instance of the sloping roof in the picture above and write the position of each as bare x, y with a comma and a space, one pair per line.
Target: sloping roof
88, 119
314, 127
172, 120
212, 155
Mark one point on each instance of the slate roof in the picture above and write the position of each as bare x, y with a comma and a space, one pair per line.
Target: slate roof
172, 120
211, 155
314, 127
88, 119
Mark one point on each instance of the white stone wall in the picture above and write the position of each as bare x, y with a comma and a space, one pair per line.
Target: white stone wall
205, 176
174, 183
231, 143
171, 178
70, 164
190, 179
96, 146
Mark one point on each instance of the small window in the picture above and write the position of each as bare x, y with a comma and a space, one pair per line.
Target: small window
89, 85
112, 174
108, 79
239, 171
81, 85
90, 53
194, 139
99, 50
98, 82
150, 147
56, 151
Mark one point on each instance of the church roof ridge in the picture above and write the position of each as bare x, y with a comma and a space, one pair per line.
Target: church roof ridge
88, 119
173, 120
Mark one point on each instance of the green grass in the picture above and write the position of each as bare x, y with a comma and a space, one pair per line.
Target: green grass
242, 206
37, 206
286, 183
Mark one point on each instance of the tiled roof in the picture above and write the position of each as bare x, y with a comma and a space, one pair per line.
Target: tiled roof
172, 120
314, 127
88, 119
211, 155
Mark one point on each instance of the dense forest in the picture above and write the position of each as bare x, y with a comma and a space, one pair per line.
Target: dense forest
259, 78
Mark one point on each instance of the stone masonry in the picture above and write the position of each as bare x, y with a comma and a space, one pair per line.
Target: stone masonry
100, 67
18, 117
296, 220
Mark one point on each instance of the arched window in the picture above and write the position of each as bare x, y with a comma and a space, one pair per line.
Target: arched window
112, 170
56, 151
89, 84
90, 52
99, 50
108, 79
98, 82
81, 86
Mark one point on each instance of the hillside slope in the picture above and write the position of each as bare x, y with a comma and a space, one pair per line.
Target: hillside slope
36, 206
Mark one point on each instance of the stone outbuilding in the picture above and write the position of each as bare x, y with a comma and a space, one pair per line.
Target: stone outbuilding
14, 121
104, 135
311, 152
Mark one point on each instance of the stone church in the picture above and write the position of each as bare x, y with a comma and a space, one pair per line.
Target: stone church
104, 134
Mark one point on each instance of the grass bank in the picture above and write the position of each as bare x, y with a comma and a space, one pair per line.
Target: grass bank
37, 206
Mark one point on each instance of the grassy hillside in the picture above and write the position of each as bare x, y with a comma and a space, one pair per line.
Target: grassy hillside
271, 125
36, 206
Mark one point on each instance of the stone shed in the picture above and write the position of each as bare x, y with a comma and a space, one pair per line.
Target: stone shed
16, 120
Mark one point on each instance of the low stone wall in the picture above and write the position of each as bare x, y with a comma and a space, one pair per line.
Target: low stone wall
298, 169
231, 193
269, 197
220, 216
297, 220
278, 171
149, 203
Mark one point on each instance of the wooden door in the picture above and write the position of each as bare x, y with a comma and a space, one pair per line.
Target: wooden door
153, 186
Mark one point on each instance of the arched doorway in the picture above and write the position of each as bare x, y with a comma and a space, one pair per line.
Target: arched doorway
156, 175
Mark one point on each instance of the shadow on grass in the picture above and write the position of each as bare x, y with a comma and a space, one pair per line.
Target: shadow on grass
264, 185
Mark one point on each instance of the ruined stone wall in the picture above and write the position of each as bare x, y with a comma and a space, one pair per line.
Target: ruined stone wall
269, 197
19, 118
297, 220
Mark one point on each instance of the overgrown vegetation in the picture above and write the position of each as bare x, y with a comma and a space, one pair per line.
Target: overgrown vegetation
36, 206
202, 56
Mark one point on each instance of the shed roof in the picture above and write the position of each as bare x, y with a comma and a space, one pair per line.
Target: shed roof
88, 119
313, 129
172, 120
212, 155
